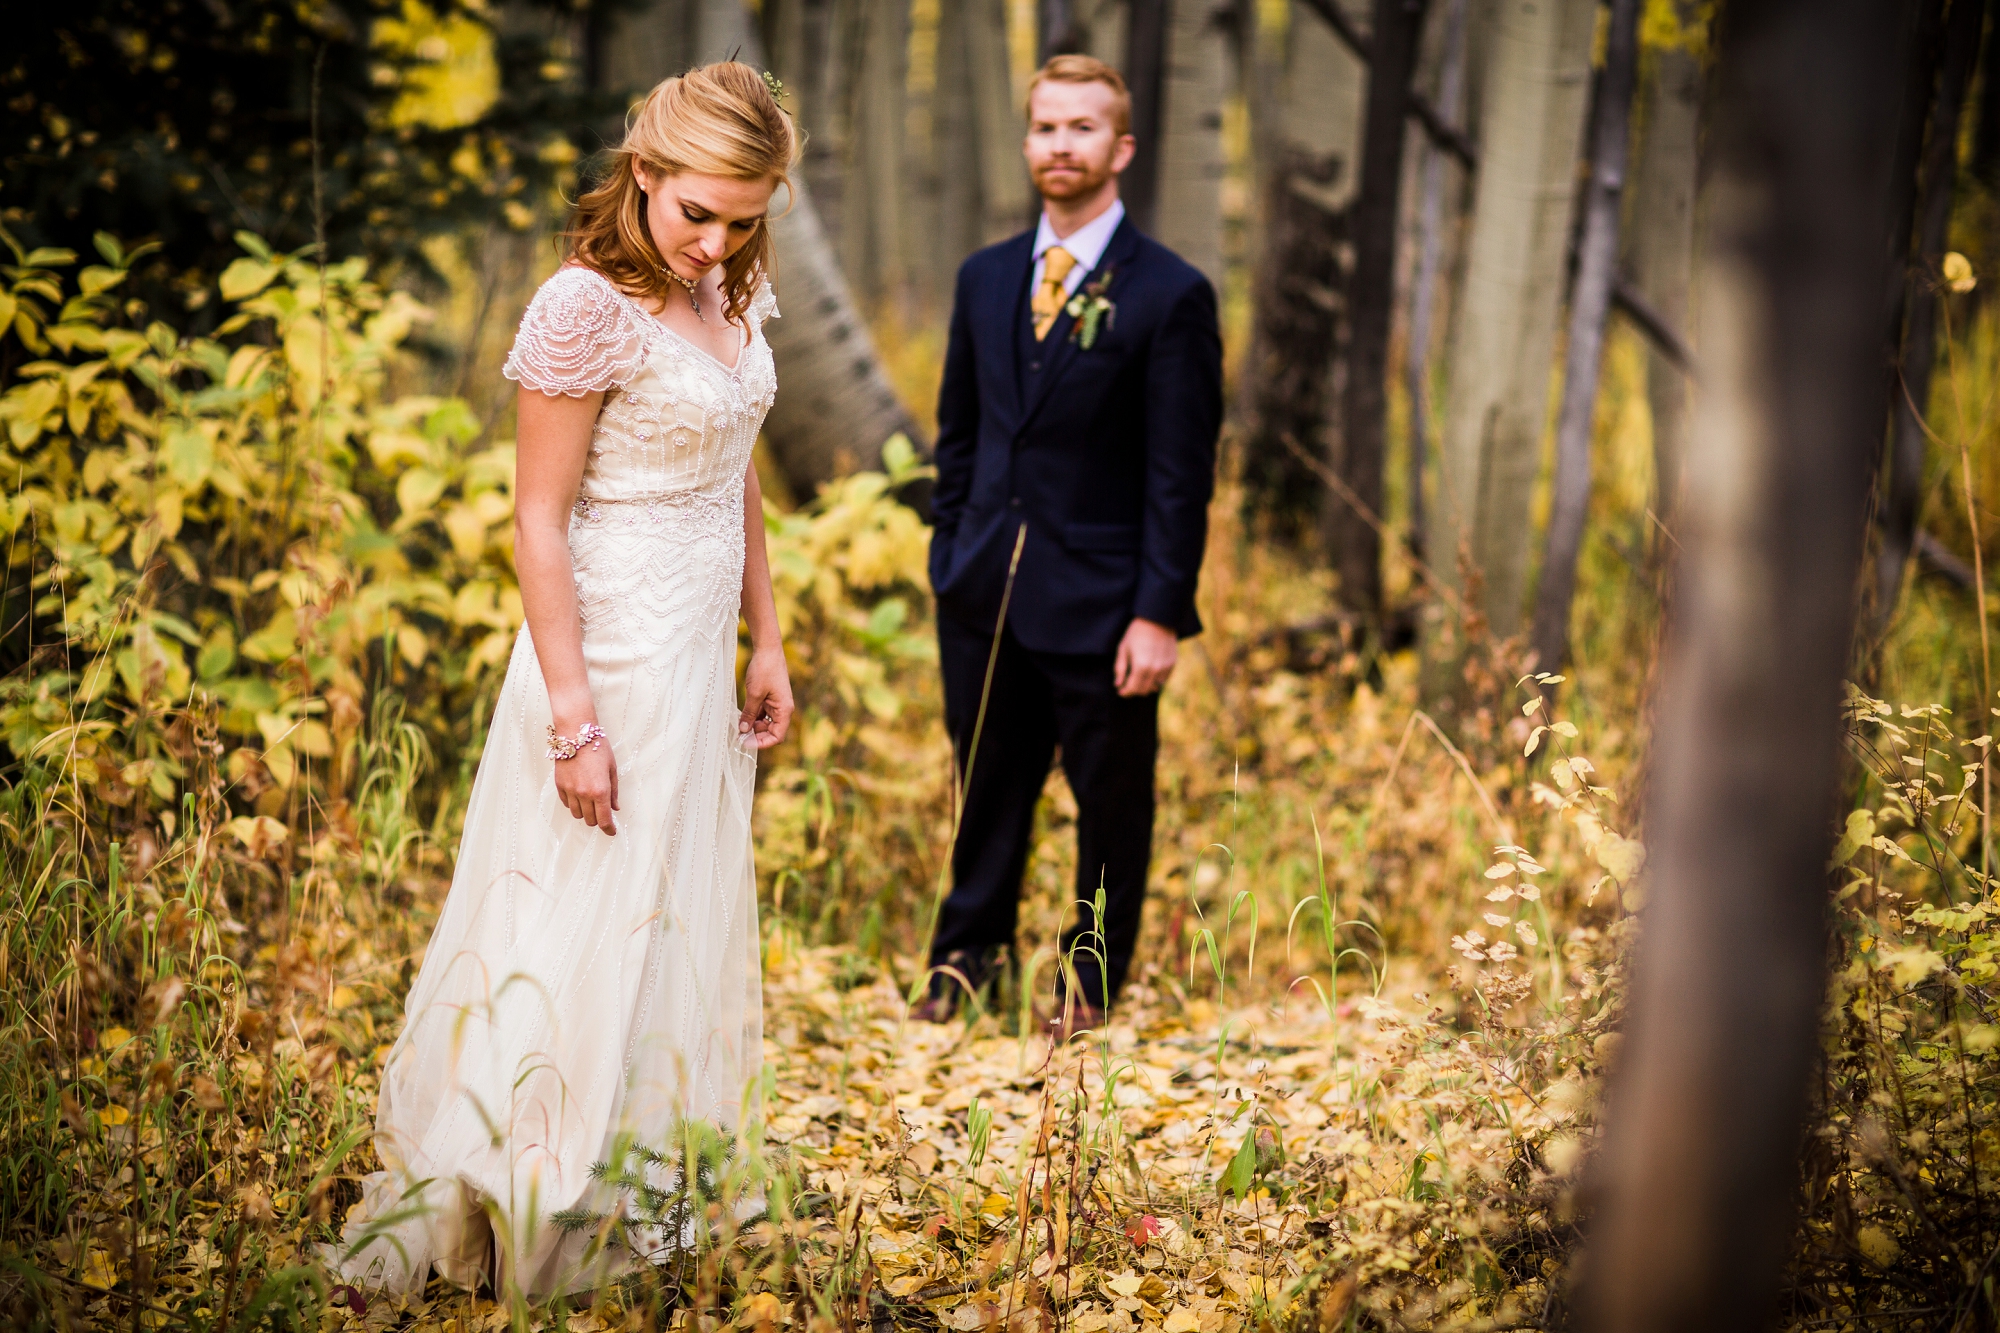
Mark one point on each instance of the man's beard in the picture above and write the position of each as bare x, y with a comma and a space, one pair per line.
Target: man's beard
1085, 182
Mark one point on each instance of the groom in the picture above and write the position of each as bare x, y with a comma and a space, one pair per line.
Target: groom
1076, 431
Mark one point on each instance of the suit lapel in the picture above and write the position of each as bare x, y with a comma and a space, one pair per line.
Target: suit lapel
1006, 306
1062, 349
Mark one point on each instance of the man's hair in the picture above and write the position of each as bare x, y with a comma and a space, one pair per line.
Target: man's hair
1088, 69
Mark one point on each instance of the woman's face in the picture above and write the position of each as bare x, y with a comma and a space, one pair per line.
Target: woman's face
699, 221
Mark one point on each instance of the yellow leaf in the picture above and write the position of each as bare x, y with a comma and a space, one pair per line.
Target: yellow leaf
114, 1114
97, 1269
1126, 1283
1622, 857
1958, 273
417, 490
455, 76
464, 526
112, 1038
343, 997
1910, 965
1878, 1245
412, 644
245, 277
1181, 1319
1860, 833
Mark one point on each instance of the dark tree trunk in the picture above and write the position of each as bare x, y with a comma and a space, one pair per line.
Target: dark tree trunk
1145, 76
1356, 538
1699, 1169
1056, 28
1296, 340
1986, 130
1903, 482
1430, 261
1589, 310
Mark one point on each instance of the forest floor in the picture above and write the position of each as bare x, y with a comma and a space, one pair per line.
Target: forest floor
1192, 1169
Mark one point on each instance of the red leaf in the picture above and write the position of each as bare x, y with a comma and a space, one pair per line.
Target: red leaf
1142, 1229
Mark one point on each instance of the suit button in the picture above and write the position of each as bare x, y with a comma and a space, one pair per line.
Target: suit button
1015, 502
1034, 365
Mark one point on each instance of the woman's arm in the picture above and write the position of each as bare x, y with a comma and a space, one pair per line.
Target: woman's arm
767, 685
552, 442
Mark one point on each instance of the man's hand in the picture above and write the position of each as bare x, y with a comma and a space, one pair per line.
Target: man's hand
1146, 657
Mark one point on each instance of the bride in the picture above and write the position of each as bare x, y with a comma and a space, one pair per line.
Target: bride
593, 978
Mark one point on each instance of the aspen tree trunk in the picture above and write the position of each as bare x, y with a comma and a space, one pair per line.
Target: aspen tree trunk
1188, 218
1662, 247
1355, 536
1430, 263
1534, 90
1698, 1174
871, 238
1294, 372
1590, 308
835, 406
1903, 486
976, 135
1007, 198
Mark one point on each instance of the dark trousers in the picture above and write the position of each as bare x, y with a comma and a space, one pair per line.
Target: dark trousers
1040, 701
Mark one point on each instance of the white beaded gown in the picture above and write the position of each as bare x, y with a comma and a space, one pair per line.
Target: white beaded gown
579, 987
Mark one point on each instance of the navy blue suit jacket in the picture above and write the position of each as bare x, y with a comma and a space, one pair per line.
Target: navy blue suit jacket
1107, 454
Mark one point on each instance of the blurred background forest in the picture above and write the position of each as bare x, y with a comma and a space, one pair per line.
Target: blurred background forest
258, 597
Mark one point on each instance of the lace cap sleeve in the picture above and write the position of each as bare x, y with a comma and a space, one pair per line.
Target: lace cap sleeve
577, 337
764, 305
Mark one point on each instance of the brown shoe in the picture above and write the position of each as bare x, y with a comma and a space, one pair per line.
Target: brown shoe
1071, 1019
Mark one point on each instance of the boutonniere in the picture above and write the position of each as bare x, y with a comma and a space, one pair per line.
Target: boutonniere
1090, 308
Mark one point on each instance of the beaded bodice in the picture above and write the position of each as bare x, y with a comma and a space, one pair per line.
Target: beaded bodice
675, 419
656, 539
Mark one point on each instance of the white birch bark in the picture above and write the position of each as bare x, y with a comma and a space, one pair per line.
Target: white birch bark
1188, 216
1662, 245
1497, 415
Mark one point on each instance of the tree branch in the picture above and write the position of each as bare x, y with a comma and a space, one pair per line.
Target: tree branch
1441, 131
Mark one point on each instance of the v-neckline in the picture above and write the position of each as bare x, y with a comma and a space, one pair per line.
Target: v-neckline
691, 344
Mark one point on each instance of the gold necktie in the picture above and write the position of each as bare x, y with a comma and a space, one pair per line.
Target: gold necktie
1049, 296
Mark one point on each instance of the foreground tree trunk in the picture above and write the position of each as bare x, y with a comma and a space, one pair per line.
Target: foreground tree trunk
1662, 247
1903, 484
1535, 87
1356, 536
835, 405
1590, 308
1699, 1167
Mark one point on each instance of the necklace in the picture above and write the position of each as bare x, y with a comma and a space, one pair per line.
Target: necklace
688, 283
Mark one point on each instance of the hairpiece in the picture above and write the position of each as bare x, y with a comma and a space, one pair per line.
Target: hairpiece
777, 89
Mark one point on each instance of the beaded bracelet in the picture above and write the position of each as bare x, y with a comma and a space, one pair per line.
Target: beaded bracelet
562, 747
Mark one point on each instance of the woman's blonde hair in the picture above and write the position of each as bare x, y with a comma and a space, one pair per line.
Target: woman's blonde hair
718, 120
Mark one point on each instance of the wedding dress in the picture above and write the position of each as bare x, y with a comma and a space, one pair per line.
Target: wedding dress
580, 990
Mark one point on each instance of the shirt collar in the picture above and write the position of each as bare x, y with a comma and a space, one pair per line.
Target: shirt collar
1086, 245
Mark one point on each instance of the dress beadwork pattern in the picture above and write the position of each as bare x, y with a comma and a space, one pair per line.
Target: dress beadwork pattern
582, 988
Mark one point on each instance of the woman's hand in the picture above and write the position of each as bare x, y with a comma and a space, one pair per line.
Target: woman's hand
587, 785
767, 698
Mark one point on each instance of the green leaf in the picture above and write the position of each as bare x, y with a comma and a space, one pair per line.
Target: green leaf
190, 455
1241, 1173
